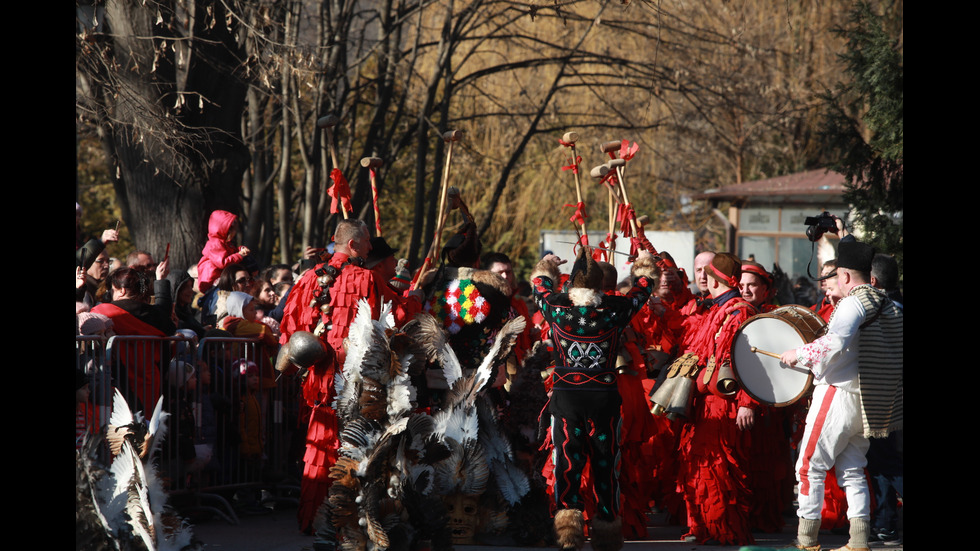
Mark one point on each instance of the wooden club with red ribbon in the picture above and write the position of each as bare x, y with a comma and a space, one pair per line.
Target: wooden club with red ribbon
568, 140
373, 164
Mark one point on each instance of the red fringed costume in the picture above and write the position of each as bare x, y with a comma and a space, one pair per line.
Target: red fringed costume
351, 285
321, 440
694, 312
661, 330
713, 473
639, 428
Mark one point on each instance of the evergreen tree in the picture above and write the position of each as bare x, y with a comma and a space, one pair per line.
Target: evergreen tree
864, 129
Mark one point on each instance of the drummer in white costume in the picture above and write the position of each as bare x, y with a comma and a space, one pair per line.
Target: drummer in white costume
855, 396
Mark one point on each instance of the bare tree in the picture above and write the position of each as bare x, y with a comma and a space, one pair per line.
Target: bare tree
164, 87
216, 107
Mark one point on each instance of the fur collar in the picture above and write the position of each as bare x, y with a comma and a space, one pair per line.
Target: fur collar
582, 296
546, 269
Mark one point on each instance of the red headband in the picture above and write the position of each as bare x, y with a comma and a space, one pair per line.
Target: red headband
761, 272
729, 280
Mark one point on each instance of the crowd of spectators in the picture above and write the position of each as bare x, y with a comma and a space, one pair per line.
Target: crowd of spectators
161, 316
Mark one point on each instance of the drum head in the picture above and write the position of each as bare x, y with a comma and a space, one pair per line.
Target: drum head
763, 377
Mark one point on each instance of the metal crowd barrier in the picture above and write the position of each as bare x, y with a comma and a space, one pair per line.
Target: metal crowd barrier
232, 442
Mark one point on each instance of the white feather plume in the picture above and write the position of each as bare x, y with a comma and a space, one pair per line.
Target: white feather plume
121, 414
457, 424
131, 480
368, 353
157, 430
130, 493
511, 481
502, 345
401, 393
387, 316
358, 340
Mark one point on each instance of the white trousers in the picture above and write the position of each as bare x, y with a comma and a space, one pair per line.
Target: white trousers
834, 436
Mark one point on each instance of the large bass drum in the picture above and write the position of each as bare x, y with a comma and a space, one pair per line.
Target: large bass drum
763, 376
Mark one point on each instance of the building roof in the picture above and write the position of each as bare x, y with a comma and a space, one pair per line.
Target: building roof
818, 185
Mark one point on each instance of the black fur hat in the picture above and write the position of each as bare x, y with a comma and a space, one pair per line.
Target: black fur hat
586, 273
854, 255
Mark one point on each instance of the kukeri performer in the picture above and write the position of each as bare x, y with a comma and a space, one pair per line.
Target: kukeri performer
586, 327
470, 303
661, 330
858, 393
714, 443
324, 302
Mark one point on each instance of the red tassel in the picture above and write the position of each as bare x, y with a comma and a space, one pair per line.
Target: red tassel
580, 215
339, 191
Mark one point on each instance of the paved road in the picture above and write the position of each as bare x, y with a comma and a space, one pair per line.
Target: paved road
276, 531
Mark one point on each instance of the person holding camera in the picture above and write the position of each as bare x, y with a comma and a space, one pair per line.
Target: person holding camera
858, 393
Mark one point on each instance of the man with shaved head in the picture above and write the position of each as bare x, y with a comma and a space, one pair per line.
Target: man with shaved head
696, 308
701, 262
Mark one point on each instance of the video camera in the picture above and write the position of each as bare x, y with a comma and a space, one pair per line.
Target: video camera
820, 224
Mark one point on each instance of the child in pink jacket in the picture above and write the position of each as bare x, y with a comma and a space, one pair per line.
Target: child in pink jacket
219, 251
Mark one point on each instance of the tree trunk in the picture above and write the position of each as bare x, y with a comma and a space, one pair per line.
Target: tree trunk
171, 126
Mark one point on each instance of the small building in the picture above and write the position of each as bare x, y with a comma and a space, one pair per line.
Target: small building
766, 218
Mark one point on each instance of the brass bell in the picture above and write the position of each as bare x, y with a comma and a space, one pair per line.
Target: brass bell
681, 398
661, 396
727, 384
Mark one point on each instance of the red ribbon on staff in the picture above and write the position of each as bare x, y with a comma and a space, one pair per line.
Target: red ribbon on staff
374, 197
583, 241
339, 191
634, 248
626, 152
574, 166
611, 241
623, 215
642, 243
604, 249
580, 215
564, 143
599, 253
610, 180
